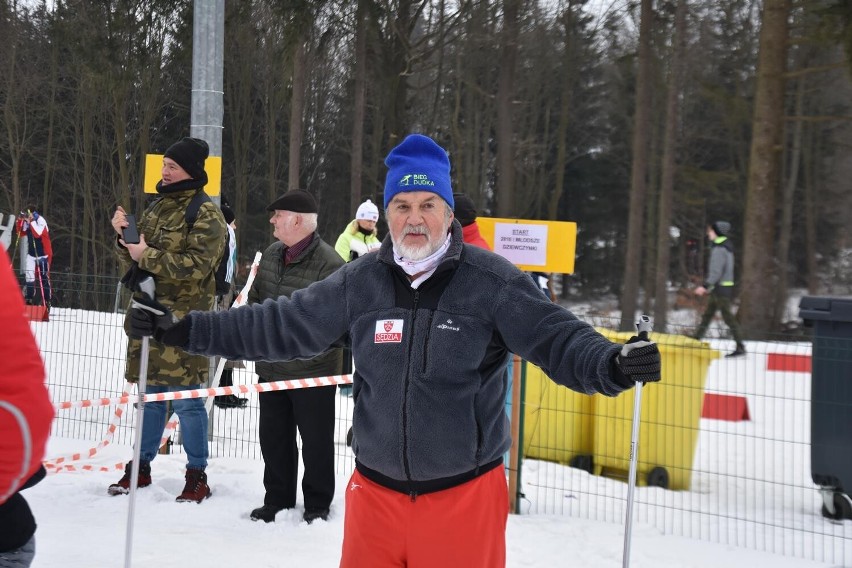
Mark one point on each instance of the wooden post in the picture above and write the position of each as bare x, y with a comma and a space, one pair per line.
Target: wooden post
517, 443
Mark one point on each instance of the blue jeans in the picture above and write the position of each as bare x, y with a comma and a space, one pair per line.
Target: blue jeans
193, 426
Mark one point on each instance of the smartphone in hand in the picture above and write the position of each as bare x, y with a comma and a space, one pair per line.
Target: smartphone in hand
129, 233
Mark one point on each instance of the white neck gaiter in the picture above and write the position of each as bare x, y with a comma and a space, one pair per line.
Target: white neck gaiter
427, 265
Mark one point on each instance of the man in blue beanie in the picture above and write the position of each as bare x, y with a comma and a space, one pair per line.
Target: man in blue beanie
431, 321
419, 177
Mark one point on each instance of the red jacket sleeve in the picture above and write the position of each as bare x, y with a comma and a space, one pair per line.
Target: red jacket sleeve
25, 408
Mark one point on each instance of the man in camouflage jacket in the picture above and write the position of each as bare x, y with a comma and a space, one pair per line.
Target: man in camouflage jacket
182, 260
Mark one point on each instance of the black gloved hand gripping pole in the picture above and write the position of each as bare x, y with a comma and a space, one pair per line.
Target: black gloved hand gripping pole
643, 326
147, 287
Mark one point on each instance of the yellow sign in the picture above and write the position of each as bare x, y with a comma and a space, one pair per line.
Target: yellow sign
539, 246
154, 168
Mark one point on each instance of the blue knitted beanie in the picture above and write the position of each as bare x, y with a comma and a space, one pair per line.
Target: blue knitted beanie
418, 164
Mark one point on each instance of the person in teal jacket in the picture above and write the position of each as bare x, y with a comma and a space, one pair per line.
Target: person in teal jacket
359, 237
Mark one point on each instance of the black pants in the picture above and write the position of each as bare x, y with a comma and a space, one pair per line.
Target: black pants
720, 302
311, 410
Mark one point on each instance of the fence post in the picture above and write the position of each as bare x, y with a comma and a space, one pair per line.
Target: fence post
517, 442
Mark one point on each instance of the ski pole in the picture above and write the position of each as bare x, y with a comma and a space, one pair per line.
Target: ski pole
147, 287
643, 326
40, 278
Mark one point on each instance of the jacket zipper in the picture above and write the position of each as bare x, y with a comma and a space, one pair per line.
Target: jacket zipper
412, 493
426, 342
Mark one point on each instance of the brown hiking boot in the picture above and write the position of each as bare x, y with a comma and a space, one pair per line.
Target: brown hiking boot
196, 488
123, 485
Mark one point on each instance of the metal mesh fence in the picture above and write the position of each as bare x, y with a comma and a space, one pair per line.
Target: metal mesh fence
724, 451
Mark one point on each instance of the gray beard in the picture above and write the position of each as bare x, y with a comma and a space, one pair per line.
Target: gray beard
417, 253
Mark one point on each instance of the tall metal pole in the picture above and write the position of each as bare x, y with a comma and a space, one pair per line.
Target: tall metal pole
207, 106
208, 47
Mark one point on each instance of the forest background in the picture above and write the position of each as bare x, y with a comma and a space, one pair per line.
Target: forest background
641, 121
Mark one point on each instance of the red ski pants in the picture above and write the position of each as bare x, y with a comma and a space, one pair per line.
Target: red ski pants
463, 526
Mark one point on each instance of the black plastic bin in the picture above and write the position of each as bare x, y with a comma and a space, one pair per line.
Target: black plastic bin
831, 400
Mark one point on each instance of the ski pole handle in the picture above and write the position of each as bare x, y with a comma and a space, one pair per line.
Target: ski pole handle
643, 327
148, 287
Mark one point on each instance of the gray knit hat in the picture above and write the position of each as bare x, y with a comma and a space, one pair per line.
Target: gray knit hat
721, 228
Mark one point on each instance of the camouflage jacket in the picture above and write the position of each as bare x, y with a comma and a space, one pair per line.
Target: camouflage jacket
183, 263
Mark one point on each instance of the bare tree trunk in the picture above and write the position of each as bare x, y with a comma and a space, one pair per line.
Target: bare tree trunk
564, 112
87, 153
359, 111
786, 225
397, 70
12, 113
51, 121
670, 138
809, 168
505, 95
119, 104
760, 267
649, 237
639, 170
439, 71
297, 109
239, 100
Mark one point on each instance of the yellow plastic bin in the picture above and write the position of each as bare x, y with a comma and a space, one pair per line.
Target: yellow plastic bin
670, 414
557, 421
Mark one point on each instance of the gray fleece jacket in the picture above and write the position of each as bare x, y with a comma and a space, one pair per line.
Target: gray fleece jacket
430, 382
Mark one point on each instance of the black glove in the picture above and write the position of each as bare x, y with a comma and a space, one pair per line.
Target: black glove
149, 316
134, 276
639, 360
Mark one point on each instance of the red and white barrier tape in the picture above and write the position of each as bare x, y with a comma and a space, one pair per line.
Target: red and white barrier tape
58, 465
294, 384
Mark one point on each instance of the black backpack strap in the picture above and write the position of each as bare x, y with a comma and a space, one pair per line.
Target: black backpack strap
195, 204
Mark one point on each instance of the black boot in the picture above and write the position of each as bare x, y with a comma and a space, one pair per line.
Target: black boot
229, 400
740, 350
315, 513
265, 513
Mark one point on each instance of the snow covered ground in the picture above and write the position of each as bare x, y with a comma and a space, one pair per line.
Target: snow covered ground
81, 526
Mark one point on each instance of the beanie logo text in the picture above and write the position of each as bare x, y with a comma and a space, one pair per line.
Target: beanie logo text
419, 180
389, 331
